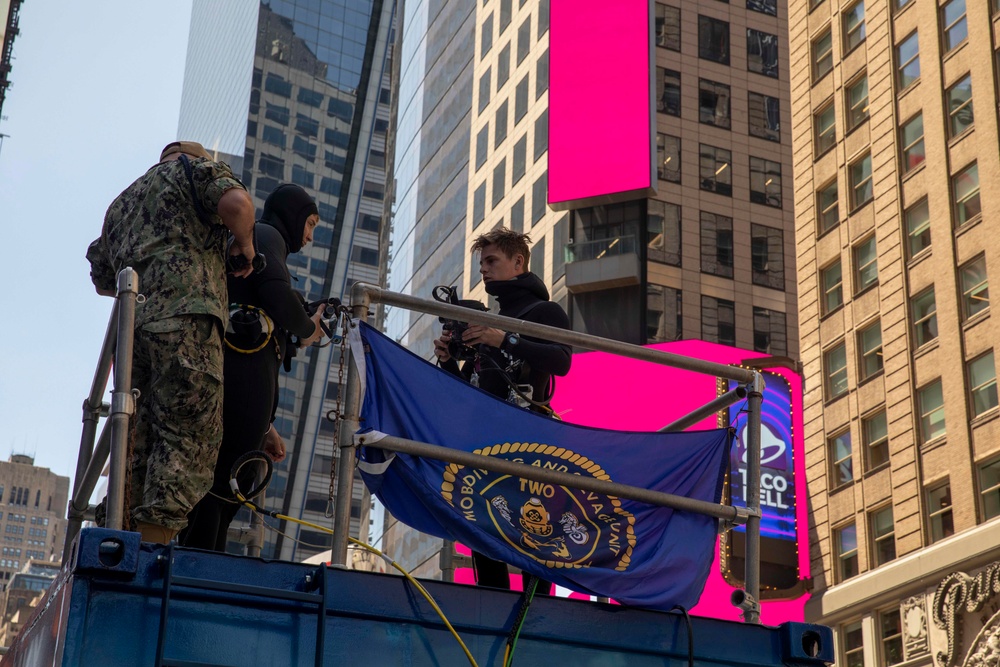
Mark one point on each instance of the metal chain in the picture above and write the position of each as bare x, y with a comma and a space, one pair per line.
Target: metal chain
345, 318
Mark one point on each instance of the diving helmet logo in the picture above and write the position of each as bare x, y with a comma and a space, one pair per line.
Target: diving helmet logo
535, 519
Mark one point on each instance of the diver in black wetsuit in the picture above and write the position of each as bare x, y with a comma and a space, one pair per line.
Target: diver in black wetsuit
252, 358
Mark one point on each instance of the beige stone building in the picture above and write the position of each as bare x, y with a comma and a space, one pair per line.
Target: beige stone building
894, 118
33, 504
711, 256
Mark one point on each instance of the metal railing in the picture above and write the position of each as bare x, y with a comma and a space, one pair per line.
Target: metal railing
363, 295
601, 248
113, 440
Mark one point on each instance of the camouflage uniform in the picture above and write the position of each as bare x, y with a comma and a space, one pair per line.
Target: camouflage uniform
153, 226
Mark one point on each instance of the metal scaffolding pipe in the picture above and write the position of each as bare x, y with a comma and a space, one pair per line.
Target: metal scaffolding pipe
706, 410
751, 579
348, 426
84, 488
567, 337
558, 478
122, 400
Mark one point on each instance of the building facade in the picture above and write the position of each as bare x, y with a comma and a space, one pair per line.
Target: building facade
896, 135
711, 255
296, 91
33, 502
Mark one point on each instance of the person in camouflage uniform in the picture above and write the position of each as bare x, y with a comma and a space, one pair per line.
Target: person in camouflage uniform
176, 245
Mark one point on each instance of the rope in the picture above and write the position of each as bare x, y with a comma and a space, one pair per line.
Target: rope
515, 631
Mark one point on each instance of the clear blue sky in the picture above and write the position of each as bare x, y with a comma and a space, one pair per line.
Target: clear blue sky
95, 96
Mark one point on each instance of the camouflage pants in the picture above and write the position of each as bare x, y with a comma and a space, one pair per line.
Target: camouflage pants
177, 367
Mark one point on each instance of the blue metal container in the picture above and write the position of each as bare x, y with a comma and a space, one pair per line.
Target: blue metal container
119, 602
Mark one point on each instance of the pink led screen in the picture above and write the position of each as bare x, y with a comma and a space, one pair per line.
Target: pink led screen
600, 102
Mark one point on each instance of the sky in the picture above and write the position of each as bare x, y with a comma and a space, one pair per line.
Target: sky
95, 95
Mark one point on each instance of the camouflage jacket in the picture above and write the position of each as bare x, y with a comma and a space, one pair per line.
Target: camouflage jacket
153, 226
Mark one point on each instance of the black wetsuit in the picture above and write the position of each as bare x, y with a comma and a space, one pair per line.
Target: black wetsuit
531, 361
251, 385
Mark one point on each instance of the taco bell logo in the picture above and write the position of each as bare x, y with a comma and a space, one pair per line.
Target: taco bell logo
774, 486
555, 525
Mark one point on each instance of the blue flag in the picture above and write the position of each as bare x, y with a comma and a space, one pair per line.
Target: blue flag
638, 554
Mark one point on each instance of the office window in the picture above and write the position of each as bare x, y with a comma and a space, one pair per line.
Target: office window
713, 103
663, 232
940, 521
960, 112
717, 244
767, 258
271, 166
763, 117
982, 384
302, 176
505, 14
486, 40
841, 461
517, 216
965, 190
541, 134
891, 635
854, 26
930, 399
277, 85
846, 547
499, 181
503, 66
519, 160
668, 27
975, 287
876, 438
833, 287
861, 181
668, 91
769, 333
274, 136
857, 102
835, 364
883, 537
663, 314
543, 17
824, 128
989, 489
870, 348
829, 211
479, 204
763, 6
865, 264
765, 182
918, 227
521, 99
718, 321
668, 158
715, 172
482, 145
911, 136
902, 3
924, 311
538, 194
908, 61
523, 40
484, 90
276, 113
541, 74
713, 40
853, 644
954, 25
822, 54
762, 53
500, 125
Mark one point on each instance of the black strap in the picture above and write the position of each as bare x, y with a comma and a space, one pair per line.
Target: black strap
528, 309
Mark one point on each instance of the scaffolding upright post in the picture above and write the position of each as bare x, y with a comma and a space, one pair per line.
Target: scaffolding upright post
360, 301
751, 608
122, 400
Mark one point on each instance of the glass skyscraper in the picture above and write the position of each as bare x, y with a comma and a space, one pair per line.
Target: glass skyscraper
297, 91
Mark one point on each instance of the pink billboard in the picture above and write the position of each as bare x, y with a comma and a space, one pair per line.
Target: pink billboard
601, 122
608, 391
